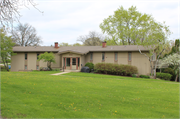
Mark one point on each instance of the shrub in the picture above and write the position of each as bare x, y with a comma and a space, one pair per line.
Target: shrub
134, 75
165, 76
170, 71
90, 65
115, 69
56, 69
144, 76
44, 69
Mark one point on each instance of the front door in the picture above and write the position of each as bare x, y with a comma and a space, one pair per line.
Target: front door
73, 63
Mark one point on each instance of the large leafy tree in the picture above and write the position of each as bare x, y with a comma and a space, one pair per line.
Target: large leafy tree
47, 57
25, 35
174, 60
130, 27
6, 48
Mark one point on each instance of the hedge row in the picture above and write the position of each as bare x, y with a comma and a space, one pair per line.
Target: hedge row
165, 76
116, 69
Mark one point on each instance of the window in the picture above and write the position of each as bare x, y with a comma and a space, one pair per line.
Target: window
91, 56
37, 56
115, 56
67, 61
25, 67
37, 67
129, 56
73, 61
78, 62
25, 56
103, 56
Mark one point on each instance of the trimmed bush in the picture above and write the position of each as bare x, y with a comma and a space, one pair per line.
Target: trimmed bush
165, 76
170, 71
115, 69
144, 76
90, 65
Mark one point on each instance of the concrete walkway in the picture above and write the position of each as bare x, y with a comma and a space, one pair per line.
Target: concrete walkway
60, 73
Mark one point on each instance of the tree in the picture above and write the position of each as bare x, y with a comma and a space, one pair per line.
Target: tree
77, 44
130, 27
93, 39
64, 44
9, 10
25, 35
172, 59
47, 57
6, 48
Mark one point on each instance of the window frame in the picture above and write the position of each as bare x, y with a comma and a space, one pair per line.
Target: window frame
25, 56
102, 56
25, 67
115, 56
91, 56
129, 57
37, 66
69, 62
37, 55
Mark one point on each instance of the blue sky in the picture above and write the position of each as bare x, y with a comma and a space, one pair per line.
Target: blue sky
66, 20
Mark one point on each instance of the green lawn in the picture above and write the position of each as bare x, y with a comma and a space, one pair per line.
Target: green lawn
83, 95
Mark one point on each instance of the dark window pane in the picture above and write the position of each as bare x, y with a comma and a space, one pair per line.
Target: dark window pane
73, 61
67, 61
102, 56
37, 56
25, 56
78, 61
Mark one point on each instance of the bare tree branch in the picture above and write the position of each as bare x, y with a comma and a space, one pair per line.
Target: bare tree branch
25, 35
93, 39
9, 11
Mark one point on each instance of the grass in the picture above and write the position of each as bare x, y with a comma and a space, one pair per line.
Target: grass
82, 95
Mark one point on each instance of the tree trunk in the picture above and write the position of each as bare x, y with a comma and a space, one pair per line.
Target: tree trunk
176, 77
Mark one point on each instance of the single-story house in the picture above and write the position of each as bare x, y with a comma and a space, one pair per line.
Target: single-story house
75, 57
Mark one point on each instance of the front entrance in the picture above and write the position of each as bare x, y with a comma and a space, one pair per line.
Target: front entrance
71, 63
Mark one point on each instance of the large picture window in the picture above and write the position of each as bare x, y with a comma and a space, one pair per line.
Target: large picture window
67, 61
103, 56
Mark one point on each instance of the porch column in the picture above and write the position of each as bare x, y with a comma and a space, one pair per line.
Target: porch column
76, 63
70, 63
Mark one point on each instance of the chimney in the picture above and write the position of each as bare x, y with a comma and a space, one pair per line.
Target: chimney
104, 44
56, 45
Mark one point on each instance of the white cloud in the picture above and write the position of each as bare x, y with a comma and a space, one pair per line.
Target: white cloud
65, 21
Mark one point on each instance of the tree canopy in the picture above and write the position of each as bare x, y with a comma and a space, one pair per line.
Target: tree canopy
25, 35
6, 48
47, 57
130, 27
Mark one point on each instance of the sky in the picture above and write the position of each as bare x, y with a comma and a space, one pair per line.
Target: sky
66, 20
